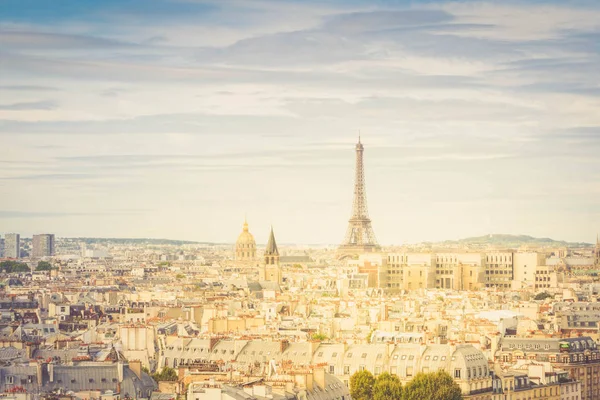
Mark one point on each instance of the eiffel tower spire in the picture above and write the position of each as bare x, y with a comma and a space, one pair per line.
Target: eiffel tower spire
360, 237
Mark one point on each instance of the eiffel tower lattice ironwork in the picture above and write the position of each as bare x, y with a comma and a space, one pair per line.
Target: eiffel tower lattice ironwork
360, 237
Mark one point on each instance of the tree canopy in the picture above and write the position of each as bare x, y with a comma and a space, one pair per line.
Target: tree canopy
361, 385
542, 296
167, 374
14, 266
434, 386
44, 266
319, 336
387, 387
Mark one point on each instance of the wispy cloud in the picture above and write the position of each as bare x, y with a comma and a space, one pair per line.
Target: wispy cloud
475, 111
33, 105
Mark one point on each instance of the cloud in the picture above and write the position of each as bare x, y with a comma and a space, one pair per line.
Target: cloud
32, 88
33, 105
48, 40
255, 106
52, 214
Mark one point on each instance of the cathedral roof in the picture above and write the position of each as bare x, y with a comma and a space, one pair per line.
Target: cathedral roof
271, 249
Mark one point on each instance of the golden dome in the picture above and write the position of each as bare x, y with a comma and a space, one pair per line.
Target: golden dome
246, 237
245, 247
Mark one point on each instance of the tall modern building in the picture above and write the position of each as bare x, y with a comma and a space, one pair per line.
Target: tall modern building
360, 237
43, 245
12, 245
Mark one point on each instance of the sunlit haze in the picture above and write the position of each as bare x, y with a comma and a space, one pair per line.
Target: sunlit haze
176, 119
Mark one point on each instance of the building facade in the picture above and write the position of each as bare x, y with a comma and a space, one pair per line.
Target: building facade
467, 271
579, 357
43, 245
12, 245
499, 270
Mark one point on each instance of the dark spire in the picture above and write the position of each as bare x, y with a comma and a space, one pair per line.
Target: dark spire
271, 249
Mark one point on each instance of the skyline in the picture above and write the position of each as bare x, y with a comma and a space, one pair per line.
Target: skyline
177, 120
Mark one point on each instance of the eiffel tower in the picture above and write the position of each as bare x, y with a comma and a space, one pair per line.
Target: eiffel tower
360, 237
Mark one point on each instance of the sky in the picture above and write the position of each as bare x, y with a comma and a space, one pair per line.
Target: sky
177, 118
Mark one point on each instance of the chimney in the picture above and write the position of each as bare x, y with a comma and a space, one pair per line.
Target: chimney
136, 367
120, 370
309, 381
39, 371
283, 345
319, 377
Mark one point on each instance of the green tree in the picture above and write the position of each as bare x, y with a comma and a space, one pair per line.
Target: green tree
180, 276
14, 266
167, 374
361, 385
44, 266
387, 387
319, 336
433, 386
542, 296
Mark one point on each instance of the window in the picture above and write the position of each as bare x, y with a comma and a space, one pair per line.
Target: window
10, 380
349, 355
320, 354
364, 355
334, 355
457, 373
346, 370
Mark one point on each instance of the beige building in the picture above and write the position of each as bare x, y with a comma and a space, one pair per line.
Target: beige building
466, 271
457, 271
460, 271
499, 270
531, 271
420, 272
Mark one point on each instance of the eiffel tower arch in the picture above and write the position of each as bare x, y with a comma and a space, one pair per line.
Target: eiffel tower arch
360, 237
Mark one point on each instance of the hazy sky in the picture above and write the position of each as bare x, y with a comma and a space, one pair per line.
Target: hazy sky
174, 118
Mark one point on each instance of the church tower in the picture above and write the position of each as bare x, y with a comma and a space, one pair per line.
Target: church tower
271, 271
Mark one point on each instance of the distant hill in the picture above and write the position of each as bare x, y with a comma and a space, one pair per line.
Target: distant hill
137, 241
511, 241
